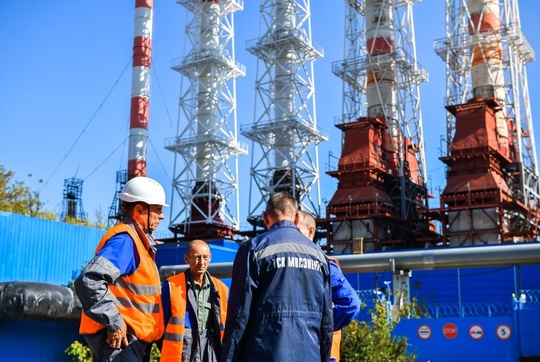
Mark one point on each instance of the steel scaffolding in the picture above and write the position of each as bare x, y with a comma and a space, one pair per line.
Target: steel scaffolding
285, 129
205, 182
485, 54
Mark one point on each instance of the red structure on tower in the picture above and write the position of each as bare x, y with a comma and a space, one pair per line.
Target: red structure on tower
491, 194
381, 200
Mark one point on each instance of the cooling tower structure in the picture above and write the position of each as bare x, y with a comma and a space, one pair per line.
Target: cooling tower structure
205, 201
284, 134
381, 199
492, 190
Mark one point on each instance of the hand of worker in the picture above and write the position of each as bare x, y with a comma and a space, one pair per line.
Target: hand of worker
118, 338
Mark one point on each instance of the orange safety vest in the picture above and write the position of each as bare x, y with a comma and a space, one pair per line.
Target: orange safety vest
336, 345
173, 341
336, 338
137, 296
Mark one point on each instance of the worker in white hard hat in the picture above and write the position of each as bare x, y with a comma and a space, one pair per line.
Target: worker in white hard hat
120, 288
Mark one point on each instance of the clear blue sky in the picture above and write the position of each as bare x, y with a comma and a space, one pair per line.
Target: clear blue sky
66, 85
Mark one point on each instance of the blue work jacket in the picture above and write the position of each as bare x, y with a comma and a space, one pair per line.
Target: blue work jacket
280, 300
344, 298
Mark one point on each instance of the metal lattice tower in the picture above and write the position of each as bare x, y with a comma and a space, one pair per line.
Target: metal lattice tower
116, 212
382, 195
350, 69
485, 54
384, 80
285, 126
509, 74
393, 77
72, 206
205, 182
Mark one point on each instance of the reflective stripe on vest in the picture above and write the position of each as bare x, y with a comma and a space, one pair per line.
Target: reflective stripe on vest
173, 341
137, 296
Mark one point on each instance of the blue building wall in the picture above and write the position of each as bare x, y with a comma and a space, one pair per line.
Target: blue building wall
53, 252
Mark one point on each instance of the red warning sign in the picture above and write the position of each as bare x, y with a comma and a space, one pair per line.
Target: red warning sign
424, 331
476, 331
449, 330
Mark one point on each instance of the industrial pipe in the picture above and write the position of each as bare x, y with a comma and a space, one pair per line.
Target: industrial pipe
424, 259
38, 301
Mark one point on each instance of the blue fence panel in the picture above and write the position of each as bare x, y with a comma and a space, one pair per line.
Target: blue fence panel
528, 323
46, 251
173, 254
36, 340
461, 339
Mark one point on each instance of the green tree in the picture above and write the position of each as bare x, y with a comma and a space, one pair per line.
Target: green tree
18, 198
81, 353
72, 220
372, 341
100, 219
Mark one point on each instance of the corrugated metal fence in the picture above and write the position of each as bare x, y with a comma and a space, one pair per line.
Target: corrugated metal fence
42, 250
46, 251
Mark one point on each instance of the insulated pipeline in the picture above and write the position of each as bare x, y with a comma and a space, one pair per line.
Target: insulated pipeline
425, 259
38, 301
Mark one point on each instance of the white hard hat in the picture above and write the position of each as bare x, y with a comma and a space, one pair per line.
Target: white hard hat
143, 189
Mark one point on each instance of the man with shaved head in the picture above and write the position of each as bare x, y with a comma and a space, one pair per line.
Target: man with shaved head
280, 305
194, 308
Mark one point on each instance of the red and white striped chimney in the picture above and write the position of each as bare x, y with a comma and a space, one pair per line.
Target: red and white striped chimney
140, 89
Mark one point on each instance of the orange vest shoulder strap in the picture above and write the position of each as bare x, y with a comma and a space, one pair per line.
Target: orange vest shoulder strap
117, 229
334, 260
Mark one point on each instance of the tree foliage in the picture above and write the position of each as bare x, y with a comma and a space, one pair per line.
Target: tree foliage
81, 353
18, 198
372, 341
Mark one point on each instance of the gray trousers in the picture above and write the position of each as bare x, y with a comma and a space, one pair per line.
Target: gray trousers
205, 351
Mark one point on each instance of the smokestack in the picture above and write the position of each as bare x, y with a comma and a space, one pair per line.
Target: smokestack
487, 60
140, 89
381, 89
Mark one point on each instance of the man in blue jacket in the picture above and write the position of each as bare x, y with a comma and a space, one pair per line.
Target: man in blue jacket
346, 303
280, 301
